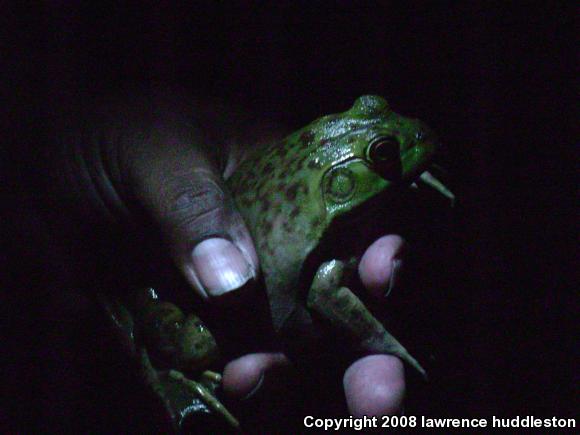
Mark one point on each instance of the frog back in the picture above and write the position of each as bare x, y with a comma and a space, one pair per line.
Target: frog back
276, 189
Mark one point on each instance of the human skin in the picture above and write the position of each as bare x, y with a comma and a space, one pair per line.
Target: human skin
152, 157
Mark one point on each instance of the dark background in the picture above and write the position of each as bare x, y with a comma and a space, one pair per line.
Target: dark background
493, 79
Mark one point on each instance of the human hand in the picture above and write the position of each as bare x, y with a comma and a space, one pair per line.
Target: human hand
374, 384
175, 173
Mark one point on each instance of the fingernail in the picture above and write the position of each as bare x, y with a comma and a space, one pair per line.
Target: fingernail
395, 269
255, 389
220, 266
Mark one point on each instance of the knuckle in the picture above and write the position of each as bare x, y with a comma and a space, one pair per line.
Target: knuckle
195, 207
202, 221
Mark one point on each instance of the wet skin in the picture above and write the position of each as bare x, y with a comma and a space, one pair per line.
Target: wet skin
173, 352
293, 192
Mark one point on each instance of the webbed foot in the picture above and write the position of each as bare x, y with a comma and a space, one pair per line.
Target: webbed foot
344, 310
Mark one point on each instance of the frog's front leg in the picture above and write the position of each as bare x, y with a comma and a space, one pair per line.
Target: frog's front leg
344, 310
211, 380
205, 395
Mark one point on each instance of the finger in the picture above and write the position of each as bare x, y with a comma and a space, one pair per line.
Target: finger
375, 386
243, 377
208, 239
380, 265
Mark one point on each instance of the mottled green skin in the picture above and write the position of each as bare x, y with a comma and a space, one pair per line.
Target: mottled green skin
173, 339
167, 346
290, 192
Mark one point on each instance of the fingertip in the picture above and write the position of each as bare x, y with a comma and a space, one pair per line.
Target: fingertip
192, 279
243, 377
245, 244
219, 267
375, 386
380, 263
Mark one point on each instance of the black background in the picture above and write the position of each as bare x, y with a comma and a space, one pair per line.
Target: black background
493, 79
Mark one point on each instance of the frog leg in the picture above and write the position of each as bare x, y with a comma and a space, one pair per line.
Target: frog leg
210, 380
206, 396
344, 310
200, 391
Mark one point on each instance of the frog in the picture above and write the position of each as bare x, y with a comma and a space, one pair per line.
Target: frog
294, 192
292, 195
169, 346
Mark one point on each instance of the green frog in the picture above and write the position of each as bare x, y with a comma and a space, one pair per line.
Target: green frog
172, 351
293, 193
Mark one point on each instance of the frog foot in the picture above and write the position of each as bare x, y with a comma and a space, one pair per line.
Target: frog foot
204, 390
211, 380
343, 309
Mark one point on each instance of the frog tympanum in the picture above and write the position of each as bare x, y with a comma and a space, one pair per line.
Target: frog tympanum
292, 195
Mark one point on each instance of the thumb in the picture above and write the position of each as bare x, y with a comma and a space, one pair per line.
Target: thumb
208, 239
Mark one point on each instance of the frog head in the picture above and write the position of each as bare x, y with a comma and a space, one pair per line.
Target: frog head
291, 192
366, 150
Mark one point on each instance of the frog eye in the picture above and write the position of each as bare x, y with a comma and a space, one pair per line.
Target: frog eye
384, 154
383, 149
